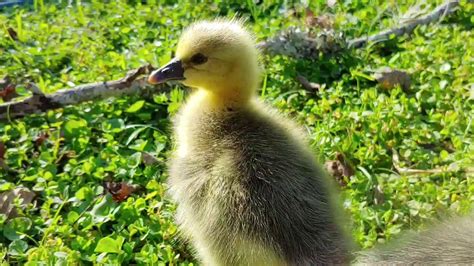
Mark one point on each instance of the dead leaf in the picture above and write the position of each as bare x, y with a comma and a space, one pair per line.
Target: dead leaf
42, 137
12, 34
120, 191
339, 169
7, 89
3, 150
7, 200
8, 93
309, 17
389, 78
324, 21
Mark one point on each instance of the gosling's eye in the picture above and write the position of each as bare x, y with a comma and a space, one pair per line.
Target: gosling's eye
198, 59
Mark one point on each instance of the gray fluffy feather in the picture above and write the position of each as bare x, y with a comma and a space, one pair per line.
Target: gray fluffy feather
249, 174
448, 243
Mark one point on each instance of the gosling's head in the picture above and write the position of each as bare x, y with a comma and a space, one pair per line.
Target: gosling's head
217, 56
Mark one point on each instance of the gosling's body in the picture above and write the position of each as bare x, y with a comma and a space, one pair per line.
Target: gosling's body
248, 190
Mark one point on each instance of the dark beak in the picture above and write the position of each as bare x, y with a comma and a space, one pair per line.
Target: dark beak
172, 71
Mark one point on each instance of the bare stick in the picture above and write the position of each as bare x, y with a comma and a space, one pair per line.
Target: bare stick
438, 170
132, 83
439, 12
298, 43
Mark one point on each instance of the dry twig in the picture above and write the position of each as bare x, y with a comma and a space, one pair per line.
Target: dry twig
299, 43
439, 170
132, 83
438, 13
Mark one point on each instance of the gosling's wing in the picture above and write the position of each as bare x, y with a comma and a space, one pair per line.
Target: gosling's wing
288, 193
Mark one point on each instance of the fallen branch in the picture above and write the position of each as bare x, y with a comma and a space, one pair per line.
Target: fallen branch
438, 13
439, 170
299, 43
132, 83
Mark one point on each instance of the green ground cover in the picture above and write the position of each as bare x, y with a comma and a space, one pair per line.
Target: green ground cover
62, 45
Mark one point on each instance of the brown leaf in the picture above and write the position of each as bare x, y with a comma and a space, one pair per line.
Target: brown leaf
389, 78
42, 137
7, 200
120, 191
324, 21
309, 17
12, 34
3, 150
339, 169
8, 93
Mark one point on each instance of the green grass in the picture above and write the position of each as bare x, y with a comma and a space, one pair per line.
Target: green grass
60, 46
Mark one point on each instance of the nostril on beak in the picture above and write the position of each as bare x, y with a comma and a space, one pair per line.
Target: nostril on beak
172, 71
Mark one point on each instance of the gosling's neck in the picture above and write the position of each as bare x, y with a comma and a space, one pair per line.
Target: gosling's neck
234, 92
225, 99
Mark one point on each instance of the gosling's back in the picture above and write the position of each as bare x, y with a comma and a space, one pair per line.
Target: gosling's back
249, 192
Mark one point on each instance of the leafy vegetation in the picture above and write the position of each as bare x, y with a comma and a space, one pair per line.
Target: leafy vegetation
65, 156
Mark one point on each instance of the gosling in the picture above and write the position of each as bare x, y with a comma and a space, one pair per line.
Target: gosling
248, 189
448, 243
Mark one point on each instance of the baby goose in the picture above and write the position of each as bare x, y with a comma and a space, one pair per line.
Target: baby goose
447, 243
248, 189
